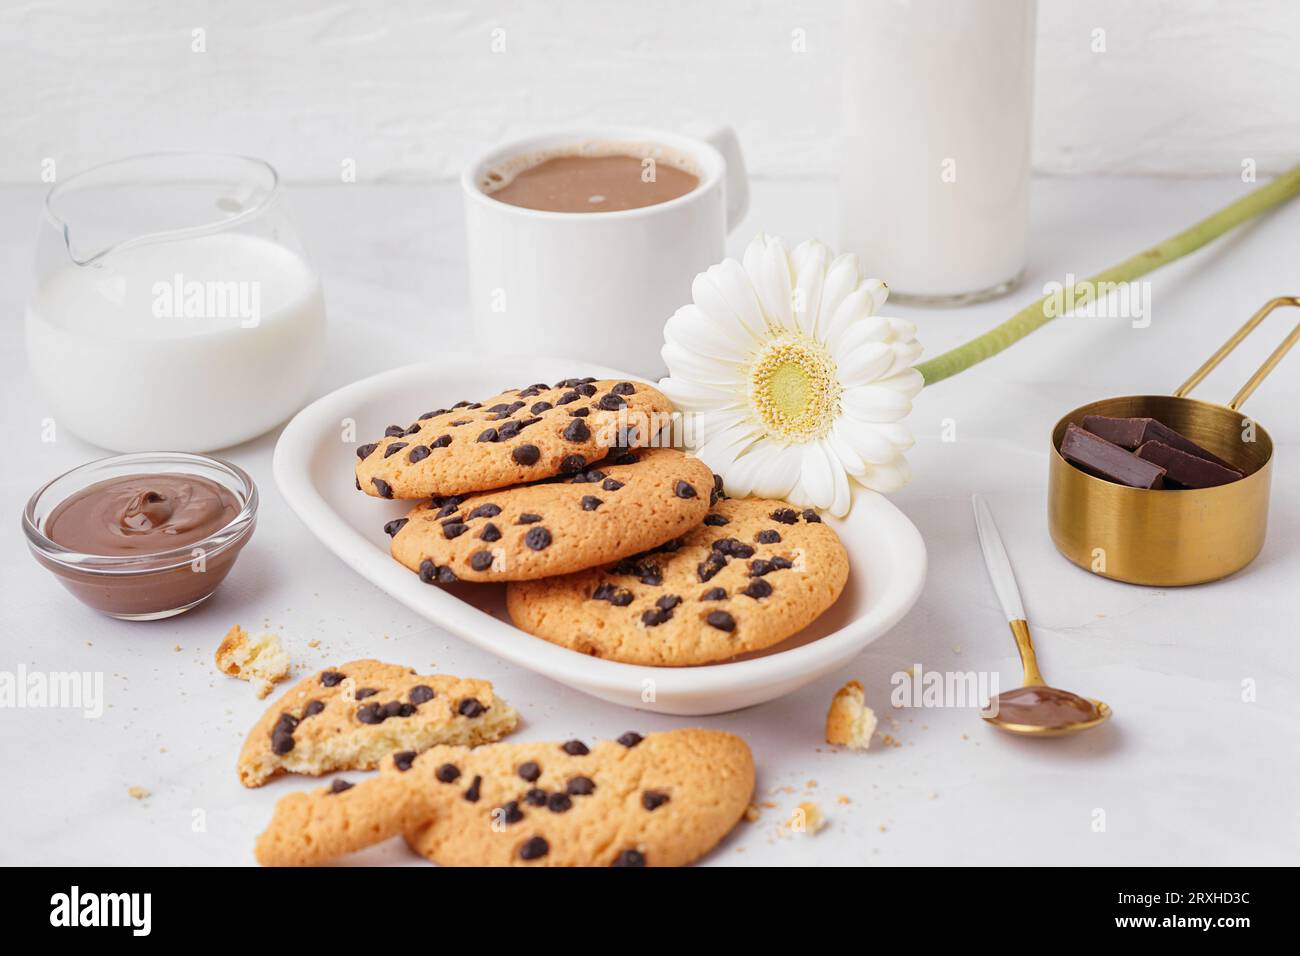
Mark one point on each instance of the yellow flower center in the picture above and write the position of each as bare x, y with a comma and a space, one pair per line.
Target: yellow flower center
793, 388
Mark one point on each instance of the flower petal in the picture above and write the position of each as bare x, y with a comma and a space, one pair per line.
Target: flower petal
887, 478
686, 363
817, 476
866, 440
854, 323
842, 277
875, 403
689, 396
766, 469
707, 333
864, 364
725, 293
809, 260
909, 382
768, 266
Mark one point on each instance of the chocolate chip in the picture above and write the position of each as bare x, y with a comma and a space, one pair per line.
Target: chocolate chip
684, 489
488, 435
448, 773
459, 422
510, 812
590, 502
586, 388
732, 548
655, 617
454, 529
567, 398
811, 516
538, 539
490, 532
472, 793
653, 799
402, 761
630, 739
579, 412
714, 594
611, 402
535, 797
529, 770
418, 454
759, 567
447, 506
615, 595
629, 858
433, 414
528, 518
589, 477
370, 714
721, 620
384, 488
394, 526
611, 484
534, 849
430, 573
313, 708
626, 458
785, 515
710, 566
580, 786
394, 448
421, 693
394, 431
526, 455
572, 463
363, 451
485, 510
623, 388
668, 602
332, 678
780, 563
442, 441
281, 741
339, 786
499, 408
768, 537
559, 802
577, 430
365, 692
480, 560
412, 429
716, 520
757, 588
575, 748
539, 407
508, 431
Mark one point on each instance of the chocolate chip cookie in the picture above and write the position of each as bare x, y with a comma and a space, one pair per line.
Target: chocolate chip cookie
630, 502
752, 574
350, 717
518, 436
660, 800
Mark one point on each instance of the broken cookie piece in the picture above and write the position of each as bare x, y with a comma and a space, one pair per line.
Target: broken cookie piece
850, 722
260, 660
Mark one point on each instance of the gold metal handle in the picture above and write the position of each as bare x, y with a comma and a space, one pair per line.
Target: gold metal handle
1261, 373
1025, 645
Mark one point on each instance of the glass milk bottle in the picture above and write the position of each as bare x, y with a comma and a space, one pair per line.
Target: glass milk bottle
173, 307
934, 187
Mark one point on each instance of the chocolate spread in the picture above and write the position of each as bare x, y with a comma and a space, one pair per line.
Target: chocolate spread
1043, 707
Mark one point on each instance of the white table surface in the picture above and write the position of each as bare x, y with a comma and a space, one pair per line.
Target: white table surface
1186, 772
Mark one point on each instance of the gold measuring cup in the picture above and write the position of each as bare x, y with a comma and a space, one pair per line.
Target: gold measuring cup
1169, 538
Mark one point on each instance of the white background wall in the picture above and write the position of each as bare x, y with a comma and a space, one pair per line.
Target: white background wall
410, 88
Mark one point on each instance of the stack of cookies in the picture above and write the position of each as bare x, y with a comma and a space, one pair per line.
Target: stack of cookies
608, 544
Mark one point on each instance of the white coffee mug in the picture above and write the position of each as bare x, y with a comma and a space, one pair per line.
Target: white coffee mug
597, 286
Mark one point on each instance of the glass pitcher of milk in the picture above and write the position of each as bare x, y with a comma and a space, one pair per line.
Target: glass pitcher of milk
935, 156
173, 307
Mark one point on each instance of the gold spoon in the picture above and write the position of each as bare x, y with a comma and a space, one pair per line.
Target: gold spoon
1035, 709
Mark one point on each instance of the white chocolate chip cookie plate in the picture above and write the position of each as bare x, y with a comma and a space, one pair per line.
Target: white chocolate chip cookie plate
315, 467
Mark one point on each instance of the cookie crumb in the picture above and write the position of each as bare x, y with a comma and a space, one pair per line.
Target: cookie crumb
261, 660
752, 813
807, 818
843, 798
137, 793
850, 721
313, 643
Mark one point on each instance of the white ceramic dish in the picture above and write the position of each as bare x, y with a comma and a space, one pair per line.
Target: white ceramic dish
314, 471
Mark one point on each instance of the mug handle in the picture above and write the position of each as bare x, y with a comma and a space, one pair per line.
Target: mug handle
723, 139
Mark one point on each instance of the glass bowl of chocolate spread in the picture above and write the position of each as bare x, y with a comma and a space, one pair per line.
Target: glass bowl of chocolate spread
143, 536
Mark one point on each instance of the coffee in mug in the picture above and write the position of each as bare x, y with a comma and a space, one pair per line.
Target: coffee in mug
599, 177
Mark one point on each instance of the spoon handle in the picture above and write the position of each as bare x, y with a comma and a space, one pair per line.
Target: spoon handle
996, 560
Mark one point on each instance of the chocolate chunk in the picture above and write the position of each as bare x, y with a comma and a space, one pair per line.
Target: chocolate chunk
447, 506
757, 588
611, 402
655, 617
332, 678
759, 567
281, 741
1184, 469
567, 398
590, 502
559, 802
588, 477
472, 793
575, 748
577, 430
732, 548
421, 693
486, 510
629, 858
624, 388
535, 797
394, 526
768, 537
508, 431
490, 532
714, 594
433, 414
448, 773
529, 770
811, 516
710, 566
586, 388
402, 761
580, 786
538, 539
370, 714
339, 786
430, 573
630, 739
1104, 459
470, 707
684, 489
611, 484
412, 429
534, 849
653, 799
394, 448
313, 708
721, 620
1133, 433
454, 529
539, 407
617, 596
394, 431
716, 520
487, 435
668, 602
571, 464
626, 458
365, 692
780, 563
579, 412
528, 518
510, 812
480, 560
442, 441
785, 515
363, 451
384, 488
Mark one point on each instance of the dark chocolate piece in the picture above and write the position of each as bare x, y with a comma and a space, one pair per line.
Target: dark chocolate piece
1190, 471
1133, 433
1104, 459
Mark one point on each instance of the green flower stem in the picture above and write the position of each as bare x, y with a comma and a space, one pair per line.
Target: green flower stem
1031, 317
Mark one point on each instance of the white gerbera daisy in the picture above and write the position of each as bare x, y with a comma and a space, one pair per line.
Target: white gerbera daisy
794, 385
